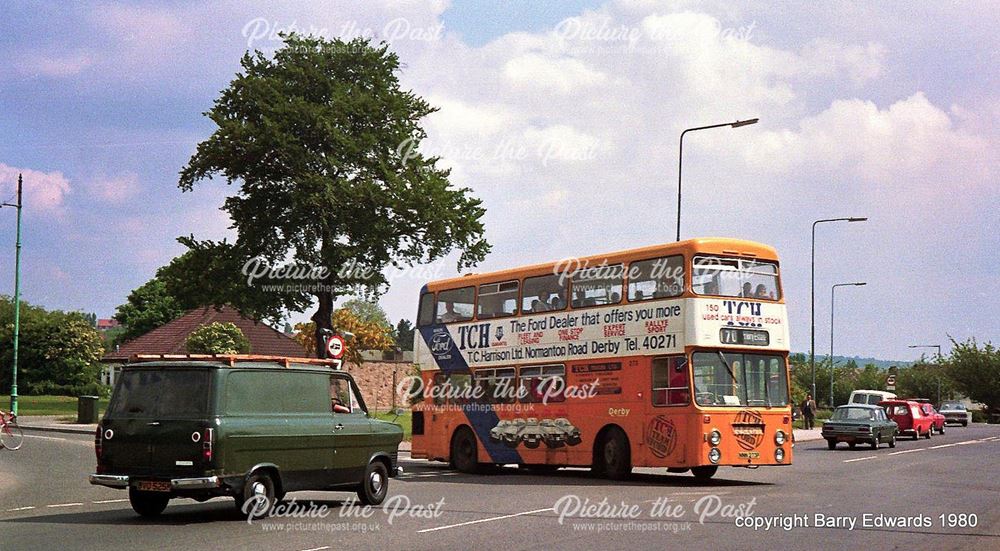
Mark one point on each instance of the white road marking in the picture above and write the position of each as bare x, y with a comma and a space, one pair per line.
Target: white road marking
941, 446
65, 505
20, 509
908, 451
861, 459
491, 519
317, 548
110, 501
967, 442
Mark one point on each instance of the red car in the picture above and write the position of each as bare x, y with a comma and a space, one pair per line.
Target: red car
910, 417
938, 419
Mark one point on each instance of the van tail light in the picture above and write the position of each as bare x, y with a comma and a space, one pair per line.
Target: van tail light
207, 441
98, 443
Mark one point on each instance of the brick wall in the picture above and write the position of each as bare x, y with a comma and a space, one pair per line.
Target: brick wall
375, 379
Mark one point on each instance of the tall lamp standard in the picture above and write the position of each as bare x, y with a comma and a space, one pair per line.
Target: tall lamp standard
832, 294
680, 158
17, 295
938, 346
812, 296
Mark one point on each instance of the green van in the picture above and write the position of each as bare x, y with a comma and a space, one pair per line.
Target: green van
248, 427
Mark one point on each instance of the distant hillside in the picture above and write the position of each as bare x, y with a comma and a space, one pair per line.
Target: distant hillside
841, 360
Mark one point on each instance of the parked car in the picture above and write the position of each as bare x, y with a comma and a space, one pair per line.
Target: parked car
248, 427
937, 420
955, 412
910, 418
532, 433
859, 423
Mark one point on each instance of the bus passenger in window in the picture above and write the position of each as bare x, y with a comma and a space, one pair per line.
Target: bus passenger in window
761, 291
555, 303
638, 295
537, 306
615, 298
747, 290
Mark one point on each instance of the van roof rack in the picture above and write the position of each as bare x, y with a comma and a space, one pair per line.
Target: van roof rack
231, 359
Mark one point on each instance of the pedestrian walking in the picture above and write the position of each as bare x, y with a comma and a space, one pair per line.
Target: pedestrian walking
809, 410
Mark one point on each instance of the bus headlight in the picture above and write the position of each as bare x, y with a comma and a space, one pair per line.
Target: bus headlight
714, 455
715, 437
779, 455
779, 437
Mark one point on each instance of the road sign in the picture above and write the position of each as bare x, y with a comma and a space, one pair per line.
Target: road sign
335, 347
890, 382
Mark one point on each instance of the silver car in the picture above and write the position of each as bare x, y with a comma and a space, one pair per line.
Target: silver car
955, 412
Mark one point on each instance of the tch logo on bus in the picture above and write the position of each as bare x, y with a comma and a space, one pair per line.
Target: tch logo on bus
748, 427
661, 436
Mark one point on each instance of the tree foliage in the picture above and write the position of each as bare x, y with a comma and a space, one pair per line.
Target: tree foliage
404, 335
324, 146
147, 307
975, 371
57, 349
217, 338
368, 335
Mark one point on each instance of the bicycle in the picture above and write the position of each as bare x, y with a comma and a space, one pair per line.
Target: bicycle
11, 435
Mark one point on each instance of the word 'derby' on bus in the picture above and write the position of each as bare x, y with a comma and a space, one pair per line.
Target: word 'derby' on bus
672, 356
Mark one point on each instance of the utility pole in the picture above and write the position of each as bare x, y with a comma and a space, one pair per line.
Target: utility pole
17, 295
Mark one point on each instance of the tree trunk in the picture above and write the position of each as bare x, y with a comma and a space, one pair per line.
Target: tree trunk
323, 318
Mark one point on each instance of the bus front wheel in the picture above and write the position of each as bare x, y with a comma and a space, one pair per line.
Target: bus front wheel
613, 458
465, 453
704, 473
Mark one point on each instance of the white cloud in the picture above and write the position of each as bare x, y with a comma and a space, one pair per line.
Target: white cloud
43, 191
49, 65
537, 72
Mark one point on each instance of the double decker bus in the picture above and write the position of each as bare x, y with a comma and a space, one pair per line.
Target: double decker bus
672, 356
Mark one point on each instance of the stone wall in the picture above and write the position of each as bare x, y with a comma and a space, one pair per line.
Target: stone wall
375, 379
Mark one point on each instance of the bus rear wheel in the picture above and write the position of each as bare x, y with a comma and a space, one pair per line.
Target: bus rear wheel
465, 453
613, 458
704, 473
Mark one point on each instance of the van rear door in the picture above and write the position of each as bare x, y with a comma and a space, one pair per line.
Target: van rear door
158, 418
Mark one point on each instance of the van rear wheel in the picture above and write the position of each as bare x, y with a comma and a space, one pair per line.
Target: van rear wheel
147, 504
705, 472
258, 496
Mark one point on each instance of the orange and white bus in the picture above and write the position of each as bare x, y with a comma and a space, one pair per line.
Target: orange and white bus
672, 356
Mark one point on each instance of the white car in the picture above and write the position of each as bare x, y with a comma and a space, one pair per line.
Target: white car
955, 412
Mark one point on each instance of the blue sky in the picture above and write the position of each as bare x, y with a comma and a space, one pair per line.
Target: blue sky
895, 119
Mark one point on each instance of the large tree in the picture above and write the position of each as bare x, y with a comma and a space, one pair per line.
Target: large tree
147, 307
324, 145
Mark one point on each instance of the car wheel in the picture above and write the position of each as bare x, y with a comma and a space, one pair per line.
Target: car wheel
831, 444
892, 441
258, 495
876, 441
965, 423
852, 445
942, 430
614, 459
929, 431
704, 473
375, 484
147, 504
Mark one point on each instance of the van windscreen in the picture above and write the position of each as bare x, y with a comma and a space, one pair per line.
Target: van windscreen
161, 392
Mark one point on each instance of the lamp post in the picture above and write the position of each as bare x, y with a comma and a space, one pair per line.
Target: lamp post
17, 295
680, 158
938, 346
812, 295
832, 295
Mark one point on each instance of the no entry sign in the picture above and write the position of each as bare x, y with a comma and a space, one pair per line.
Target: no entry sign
335, 347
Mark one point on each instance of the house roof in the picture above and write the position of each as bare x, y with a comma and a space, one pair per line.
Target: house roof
170, 338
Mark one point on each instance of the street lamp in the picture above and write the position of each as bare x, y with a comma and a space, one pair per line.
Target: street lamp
680, 157
17, 295
938, 346
832, 290
812, 296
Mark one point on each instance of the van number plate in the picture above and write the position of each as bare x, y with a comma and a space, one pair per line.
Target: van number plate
153, 486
